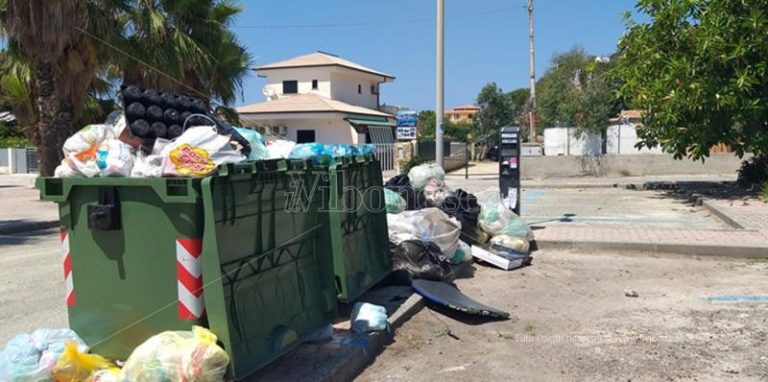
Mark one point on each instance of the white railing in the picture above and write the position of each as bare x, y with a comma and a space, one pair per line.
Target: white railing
385, 152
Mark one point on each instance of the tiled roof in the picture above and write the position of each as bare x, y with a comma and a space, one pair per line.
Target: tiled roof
307, 103
631, 114
464, 108
320, 59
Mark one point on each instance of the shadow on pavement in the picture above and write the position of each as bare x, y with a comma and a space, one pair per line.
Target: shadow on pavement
25, 236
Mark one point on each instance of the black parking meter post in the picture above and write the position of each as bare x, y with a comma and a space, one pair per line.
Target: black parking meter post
509, 167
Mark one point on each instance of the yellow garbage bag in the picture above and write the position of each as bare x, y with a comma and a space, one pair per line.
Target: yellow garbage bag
74, 366
190, 356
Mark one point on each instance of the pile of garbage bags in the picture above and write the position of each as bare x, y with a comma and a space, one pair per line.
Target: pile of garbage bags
112, 150
432, 226
60, 355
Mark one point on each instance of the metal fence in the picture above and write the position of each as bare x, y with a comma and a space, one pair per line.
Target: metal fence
426, 150
32, 160
385, 152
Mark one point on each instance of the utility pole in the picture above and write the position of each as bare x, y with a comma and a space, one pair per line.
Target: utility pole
439, 82
532, 71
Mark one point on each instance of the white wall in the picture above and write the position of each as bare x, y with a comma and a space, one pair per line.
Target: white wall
329, 127
622, 138
304, 76
333, 82
564, 141
344, 88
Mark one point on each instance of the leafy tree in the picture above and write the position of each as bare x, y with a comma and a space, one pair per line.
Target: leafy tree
452, 131
577, 91
426, 122
518, 100
495, 111
699, 72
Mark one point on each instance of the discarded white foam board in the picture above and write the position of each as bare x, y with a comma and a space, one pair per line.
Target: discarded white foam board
497, 260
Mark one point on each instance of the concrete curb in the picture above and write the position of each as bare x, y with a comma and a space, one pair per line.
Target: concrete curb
27, 227
680, 249
722, 215
356, 363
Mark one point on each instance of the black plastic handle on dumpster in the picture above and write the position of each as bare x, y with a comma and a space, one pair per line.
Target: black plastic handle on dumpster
105, 216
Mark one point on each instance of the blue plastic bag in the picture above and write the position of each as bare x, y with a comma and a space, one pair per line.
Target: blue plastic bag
317, 151
341, 151
258, 146
367, 317
31, 357
367, 149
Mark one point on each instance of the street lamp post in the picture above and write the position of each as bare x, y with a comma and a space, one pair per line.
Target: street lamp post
439, 82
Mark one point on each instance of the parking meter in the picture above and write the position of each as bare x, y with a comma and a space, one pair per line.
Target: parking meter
509, 167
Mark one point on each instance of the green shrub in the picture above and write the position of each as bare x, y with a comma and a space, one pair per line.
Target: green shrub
17, 142
406, 165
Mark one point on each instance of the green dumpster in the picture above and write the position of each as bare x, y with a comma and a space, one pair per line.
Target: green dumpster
358, 225
245, 253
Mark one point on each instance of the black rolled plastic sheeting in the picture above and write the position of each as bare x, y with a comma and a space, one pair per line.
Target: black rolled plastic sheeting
445, 294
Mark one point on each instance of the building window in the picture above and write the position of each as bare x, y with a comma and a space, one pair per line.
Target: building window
305, 136
359, 89
290, 87
314, 84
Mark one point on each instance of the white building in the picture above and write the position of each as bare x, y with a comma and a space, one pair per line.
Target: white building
622, 135
320, 97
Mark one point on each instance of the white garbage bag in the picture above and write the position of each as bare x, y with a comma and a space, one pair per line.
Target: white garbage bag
429, 224
115, 158
151, 165
198, 152
280, 149
87, 138
421, 174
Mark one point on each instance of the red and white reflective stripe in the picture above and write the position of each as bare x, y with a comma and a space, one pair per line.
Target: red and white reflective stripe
67, 261
189, 269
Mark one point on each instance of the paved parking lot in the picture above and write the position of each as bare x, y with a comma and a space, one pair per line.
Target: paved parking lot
695, 319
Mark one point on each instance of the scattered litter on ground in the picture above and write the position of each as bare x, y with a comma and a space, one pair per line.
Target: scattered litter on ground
631, 293
368, 317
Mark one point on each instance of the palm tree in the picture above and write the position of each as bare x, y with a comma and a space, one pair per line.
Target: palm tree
50, 35
74, 50
17, 93
186, 46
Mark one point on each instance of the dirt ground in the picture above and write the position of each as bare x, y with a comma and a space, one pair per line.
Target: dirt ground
570, 320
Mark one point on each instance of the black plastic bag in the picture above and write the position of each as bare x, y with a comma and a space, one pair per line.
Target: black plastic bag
464, 207
414, 200
418, 259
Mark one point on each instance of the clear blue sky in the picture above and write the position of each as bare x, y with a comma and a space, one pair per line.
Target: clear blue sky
486, 40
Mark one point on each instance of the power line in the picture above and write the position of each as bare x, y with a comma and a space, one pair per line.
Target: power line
382, 22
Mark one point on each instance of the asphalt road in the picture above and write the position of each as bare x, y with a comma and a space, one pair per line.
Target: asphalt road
31, 283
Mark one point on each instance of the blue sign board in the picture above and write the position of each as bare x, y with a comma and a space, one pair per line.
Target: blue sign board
407, 118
